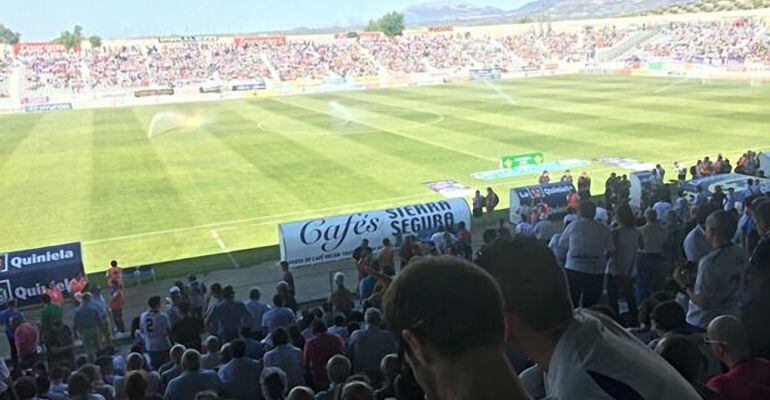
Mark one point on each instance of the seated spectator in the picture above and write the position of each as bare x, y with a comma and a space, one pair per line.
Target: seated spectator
301, 393
137, 362
368, 345
669, 319
79, 388
337, 370
340, 327
43, 385
748, 377
238, 374
390, 367
97, 384
254, 348
273, 383
24, 388
586, 354
213, 356
319, 350
194, 379
688, 360
444, 352
175, 355
286, 357
357, 391
137, 387
720, 278
58, 383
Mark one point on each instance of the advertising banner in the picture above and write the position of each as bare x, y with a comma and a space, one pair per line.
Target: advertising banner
23, 274
47, 107
485, 74
334, 238
154, 92
738, 182
271, 40
187, 39
248, 86
553, 194
522, 160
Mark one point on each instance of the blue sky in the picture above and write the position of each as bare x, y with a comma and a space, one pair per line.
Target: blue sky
39, 20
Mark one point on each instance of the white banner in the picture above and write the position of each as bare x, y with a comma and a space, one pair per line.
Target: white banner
334, 238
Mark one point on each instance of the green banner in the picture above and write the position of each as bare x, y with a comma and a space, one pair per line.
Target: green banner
522, 160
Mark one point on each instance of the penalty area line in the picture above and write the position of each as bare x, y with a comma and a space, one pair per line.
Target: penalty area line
221, 244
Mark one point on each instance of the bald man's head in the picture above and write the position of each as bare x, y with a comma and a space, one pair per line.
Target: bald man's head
728, 338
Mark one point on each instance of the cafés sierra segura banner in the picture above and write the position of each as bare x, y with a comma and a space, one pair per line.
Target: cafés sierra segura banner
333, 238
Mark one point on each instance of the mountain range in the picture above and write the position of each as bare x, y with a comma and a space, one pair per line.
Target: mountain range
448, 11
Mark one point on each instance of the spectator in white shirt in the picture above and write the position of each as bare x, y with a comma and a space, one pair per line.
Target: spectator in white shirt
585, 355
649, 263
587, 243
696, 245
721, 274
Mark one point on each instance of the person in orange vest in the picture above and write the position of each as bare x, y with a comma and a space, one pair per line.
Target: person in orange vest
114, 274
116, 306
54, 292
573, 200
77, 286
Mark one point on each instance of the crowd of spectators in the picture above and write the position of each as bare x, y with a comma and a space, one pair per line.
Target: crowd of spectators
712, 43
669, 301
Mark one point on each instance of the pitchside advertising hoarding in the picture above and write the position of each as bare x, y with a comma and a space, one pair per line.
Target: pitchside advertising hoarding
334, 238
553, 194
23, 274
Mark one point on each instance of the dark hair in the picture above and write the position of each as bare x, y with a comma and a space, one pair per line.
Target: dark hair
587, 209
762, 213
25, 388
339, 320
703, 211
318, 326
489, 235
78, 384
278, 300
683, 355
43, 384
46, 298
154, 302
228, 292
238, 347
135, 385
526, 270
669, 316
58, 373
113, 263
280, 336
216, 288
418, 301
625, 216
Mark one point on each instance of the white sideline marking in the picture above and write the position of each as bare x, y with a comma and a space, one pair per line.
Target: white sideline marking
398, 133
221, 244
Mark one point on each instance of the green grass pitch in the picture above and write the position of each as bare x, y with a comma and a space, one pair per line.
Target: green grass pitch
95, 176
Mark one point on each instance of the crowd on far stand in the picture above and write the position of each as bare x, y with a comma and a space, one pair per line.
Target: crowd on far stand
666, 301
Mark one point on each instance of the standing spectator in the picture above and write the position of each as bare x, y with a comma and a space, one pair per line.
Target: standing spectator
319, 350
229, 316
78, 286
386, 256
586, 354
337, 371
492, 200
256, 309
286, 357
626, 241
478, 204
116, 307
6, 316
446, 352
757, 295
53, 290
544, 178
214, 297
238, 375
87, 322
60, 345
464, 241
341, 299
368, 345
567, 177
197, 296
748, 377
187, 331
97, 300
114, 273
720, 279
545, 228
155, 330
649, 264
288, 277
587, 243
193, 379
696, 244
610, 189
50, 313
27, 339
573, 200
362, 251
278, 316
584, 186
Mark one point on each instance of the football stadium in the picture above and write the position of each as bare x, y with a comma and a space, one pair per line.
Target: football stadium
445, 160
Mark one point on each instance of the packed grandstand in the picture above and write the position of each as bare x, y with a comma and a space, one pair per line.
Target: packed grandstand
189, 61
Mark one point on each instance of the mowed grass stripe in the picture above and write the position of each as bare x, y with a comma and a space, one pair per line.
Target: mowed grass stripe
131, 189
45, 185
15, 128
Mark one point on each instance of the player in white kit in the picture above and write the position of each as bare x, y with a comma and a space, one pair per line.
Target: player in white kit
155, 329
